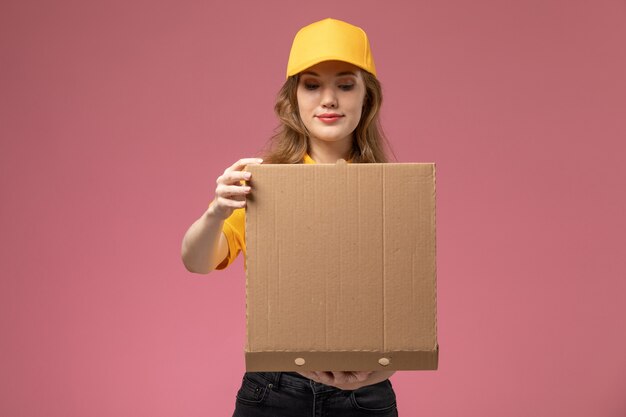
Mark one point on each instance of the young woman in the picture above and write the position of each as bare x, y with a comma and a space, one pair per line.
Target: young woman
328, 109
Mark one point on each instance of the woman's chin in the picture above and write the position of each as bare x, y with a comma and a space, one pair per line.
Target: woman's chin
331, 138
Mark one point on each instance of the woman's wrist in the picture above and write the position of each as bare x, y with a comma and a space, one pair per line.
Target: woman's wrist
213, 214
374, 378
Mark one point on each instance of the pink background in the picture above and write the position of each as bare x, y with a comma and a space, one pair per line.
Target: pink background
117, 116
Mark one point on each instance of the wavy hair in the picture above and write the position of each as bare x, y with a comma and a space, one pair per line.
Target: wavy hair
289, 144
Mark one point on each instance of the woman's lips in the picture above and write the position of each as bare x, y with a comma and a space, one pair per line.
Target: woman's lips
329, 118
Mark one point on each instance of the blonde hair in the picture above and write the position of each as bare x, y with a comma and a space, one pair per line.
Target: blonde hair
289, 144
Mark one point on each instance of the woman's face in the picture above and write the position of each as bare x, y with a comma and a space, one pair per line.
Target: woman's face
330, 100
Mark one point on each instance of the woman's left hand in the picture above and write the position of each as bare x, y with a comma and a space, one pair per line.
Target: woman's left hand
347, 380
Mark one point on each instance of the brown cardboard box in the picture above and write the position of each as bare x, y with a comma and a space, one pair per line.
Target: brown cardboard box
340, 269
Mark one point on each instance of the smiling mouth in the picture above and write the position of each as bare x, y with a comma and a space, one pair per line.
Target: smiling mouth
329, 118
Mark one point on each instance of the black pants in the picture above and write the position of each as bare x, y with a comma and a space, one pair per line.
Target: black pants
289, 394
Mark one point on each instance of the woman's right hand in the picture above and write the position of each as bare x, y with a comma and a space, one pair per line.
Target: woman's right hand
230, 193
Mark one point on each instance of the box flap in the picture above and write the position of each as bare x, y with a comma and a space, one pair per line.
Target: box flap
341, 264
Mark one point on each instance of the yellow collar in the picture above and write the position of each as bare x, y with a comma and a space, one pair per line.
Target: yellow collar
308, 160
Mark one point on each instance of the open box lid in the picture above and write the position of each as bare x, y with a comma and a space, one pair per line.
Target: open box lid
340, 268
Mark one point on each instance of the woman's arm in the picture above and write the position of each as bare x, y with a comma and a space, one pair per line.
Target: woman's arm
204, 245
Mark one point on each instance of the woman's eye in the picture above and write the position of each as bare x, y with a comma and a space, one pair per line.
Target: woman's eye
346, 87
309, 86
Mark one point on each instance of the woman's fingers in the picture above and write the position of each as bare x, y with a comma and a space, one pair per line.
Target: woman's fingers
325, 377
361, 375
227, 202
339, 379
233, 177
344, 377
241, 164
235, 174
315, 375
230, 191
309, 374
347, 377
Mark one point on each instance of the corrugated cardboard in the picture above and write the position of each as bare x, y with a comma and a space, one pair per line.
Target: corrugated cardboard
340, 270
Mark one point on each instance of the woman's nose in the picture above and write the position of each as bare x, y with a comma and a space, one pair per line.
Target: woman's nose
329, 99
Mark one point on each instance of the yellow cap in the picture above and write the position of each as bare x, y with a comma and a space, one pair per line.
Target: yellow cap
330, 40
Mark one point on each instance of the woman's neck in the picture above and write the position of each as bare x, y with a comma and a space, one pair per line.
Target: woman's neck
324, 152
